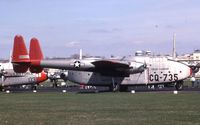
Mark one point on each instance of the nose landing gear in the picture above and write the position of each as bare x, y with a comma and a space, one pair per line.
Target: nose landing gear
179, 85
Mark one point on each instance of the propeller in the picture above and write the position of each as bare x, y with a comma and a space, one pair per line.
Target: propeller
145, 65
198, 65
139, 69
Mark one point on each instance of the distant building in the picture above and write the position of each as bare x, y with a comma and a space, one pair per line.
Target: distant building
142, 53
191, 59
196, 55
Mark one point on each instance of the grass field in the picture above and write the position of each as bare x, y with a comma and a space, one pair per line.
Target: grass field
99, 109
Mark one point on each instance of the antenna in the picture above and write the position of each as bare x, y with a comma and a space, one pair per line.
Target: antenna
174, 46
80, 56
10, 58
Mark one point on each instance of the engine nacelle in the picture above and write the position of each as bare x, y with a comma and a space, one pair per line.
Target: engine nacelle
64, 75
137, 70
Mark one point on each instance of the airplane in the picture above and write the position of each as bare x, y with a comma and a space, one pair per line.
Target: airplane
9, 78
116, 74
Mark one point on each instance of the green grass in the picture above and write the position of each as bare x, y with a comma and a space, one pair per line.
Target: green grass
100, 109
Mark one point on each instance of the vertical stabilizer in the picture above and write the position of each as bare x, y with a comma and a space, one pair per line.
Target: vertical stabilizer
20, 53
20, 57
36, 56
35, 52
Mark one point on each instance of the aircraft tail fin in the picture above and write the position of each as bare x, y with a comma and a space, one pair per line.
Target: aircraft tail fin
20, 57
36, 56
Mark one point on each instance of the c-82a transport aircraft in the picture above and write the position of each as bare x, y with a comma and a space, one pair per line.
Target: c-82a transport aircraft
117, 74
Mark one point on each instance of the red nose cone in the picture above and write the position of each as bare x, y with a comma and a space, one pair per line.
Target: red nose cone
42, 77
191, 72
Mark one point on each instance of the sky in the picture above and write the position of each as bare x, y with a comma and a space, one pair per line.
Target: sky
101, 27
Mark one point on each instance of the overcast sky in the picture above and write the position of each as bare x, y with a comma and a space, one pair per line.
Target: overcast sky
101, 27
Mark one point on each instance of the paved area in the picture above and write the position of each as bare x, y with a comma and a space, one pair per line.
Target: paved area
76, 89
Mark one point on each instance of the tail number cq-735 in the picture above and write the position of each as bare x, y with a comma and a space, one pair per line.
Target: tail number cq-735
163, 77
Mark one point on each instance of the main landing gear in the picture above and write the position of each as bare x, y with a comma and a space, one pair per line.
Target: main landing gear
115, 87
1, 89
55, 83
33, 87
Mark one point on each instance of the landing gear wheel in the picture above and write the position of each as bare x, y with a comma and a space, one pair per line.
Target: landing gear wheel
55, 83
34, 87
2, 89
114, 88
179, 85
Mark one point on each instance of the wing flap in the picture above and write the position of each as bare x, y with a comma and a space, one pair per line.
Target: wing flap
110, 64
112, 68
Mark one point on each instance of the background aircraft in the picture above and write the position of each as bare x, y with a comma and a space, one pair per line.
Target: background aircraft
9, 78
117, 74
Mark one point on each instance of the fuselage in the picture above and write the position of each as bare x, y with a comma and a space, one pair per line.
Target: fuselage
159, 70
9, 78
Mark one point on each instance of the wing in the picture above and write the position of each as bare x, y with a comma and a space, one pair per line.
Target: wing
104, 67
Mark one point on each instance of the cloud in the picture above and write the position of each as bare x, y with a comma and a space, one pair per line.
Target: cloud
72, 44
170, 27
99, 31
137, 42
105, 30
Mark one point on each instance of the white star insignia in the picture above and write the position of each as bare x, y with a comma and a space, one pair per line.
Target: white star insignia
77, 64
